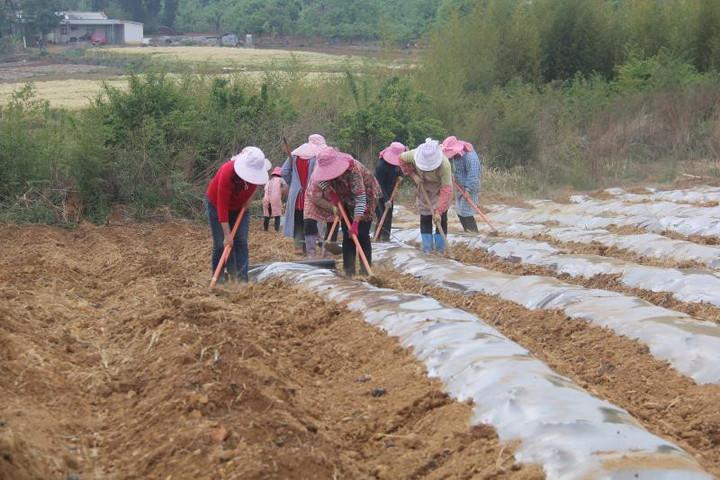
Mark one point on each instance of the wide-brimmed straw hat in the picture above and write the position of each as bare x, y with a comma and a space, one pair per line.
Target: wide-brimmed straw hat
392, 153
252, 166
277, 171
330, 164
428, 155
315, 143
452, 146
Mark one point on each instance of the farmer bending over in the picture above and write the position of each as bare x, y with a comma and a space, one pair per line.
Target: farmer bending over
387, 172
466, 169
296, 172
345, 180
432, 173
229, 191
319, 210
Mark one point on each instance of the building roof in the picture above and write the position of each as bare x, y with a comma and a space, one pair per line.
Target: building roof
84, 15
91, 18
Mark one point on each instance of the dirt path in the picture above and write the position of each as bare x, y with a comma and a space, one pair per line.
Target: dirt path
115, 362
611, 367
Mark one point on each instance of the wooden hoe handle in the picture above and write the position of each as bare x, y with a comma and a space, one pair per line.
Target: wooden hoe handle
473, 204
355, 239
387, 207
226, 252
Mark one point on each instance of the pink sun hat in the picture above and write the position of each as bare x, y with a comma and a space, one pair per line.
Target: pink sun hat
277, 171
252, 166
452, 146
392, 153
330, 164
315, 143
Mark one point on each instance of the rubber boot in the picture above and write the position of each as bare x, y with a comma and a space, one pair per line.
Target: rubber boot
311, 245
468, 223
427, 242
439, 243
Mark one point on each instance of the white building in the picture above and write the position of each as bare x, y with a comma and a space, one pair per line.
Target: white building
95, 27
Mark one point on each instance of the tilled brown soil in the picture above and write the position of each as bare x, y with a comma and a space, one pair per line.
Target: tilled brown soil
116, 362
611, 367
478, 257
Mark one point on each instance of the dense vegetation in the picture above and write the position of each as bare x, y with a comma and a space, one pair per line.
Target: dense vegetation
554, 93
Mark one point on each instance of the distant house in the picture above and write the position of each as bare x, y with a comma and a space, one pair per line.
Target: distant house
97, 28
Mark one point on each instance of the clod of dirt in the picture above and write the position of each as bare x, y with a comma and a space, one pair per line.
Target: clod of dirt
377, 392
363, 379
220, 434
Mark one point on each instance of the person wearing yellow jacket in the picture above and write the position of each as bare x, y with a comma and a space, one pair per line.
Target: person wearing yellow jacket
432, 172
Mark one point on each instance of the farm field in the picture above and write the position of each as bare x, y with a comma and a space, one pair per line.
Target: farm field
248, 58
521, 356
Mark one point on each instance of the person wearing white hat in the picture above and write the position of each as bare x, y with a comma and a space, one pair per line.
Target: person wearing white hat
296, 172
432, 172
228, 192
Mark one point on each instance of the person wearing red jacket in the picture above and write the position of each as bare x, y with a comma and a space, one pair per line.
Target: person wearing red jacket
228, 192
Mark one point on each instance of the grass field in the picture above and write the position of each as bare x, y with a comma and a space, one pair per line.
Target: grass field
236, 57
77, 93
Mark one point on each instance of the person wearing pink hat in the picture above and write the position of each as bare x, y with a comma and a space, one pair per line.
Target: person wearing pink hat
432, 172
387, 171
344, 180
467, 168
229, 191
275, 192
318, 210
296, 172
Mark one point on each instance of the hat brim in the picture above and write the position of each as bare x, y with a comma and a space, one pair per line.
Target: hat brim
428, 164
330, 172
453, 150
392, 158
255, 177
306, 150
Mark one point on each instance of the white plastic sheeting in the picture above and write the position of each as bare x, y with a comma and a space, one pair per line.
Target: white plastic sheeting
691, 346
686, 286
654, 217
648, 244
571, 434
694, 195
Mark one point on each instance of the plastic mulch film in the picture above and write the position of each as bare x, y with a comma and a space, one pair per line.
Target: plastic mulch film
559, 426
647, 244
685, 286
653, 217
698, 195
691, 346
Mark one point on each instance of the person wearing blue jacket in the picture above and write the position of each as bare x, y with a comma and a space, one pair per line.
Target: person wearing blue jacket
466, 168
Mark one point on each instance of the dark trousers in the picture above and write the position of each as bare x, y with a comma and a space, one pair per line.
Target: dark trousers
387, 224
266, 220
239, 260
426, 223
468, 223
350, 251
299, 229
312, 228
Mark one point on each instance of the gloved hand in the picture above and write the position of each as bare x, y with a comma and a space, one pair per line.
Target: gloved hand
333, 197
355, 228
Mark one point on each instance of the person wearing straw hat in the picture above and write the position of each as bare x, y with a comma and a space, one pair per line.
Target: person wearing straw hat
387, 172
345, 180
432, 172
275, 192
228, 192
466, 168
296, 172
